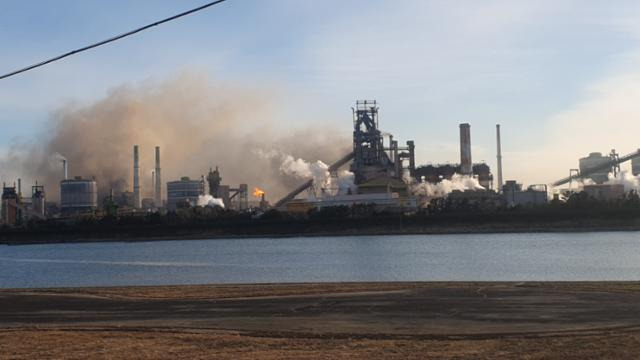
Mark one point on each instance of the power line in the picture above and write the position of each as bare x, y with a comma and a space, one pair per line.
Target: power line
103, 42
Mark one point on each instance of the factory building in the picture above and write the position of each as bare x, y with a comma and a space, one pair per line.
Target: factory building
389, 201
183, 193
436, 173
514, 195
596, 160
605, 192
78, 196
379, 170
233, 198
10, 212
481, 199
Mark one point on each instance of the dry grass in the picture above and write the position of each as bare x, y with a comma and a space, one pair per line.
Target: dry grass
123, 344
150, 343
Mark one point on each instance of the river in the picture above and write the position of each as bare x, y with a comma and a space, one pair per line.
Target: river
482, 257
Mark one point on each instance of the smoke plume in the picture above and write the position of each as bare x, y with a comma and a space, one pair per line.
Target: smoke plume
444, 187
301, 169
196, 123
208, 200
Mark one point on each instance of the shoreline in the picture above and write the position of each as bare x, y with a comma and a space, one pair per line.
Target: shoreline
69, 239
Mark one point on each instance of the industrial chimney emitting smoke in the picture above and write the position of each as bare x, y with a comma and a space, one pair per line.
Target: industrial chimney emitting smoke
64, 169
137, 203
466, 167
157, 198
499, 156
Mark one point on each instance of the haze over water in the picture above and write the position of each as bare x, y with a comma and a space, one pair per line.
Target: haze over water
484, 257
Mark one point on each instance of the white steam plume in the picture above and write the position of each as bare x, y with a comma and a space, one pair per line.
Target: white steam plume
298, 168
208, 200
625, 178
444, 187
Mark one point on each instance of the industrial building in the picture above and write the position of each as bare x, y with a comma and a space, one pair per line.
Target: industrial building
514, 195
78, 196
378, 170
481, 171
436, 173
635, 165
480, 199
605, 192
596, 166
184, 193
233, 198
10, 212
38, 200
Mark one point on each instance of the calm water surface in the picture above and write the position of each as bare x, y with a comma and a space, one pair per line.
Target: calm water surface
490, 257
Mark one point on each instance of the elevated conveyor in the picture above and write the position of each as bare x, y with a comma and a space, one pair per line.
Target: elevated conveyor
335, 166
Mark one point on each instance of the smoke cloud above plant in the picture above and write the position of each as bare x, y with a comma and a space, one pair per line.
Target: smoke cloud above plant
197, 123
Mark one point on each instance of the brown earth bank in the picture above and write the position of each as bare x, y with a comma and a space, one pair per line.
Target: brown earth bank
564, 320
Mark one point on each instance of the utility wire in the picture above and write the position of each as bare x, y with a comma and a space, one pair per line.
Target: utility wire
103, 42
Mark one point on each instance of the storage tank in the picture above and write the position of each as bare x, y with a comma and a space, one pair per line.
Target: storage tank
78, 195
594, 160
184, 192
635, 165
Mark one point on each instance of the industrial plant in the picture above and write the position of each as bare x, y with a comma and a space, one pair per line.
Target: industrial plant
379, 172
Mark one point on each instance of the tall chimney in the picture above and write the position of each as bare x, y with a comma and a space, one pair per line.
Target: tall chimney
466, 167
157, 199
136, 178
64, 169
412, 157
499, 156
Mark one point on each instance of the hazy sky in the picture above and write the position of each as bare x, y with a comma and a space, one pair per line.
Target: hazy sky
562, 77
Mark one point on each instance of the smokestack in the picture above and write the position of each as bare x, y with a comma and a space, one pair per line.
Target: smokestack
64, 169
412, 157
157, 199
499, 185
136, 178
19, 187
466, 167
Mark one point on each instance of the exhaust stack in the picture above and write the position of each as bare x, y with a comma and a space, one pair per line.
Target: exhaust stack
499, 156
64, 169
466, 167
136, 178
157, 198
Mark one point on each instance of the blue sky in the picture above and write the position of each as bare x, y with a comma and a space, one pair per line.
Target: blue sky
556, 74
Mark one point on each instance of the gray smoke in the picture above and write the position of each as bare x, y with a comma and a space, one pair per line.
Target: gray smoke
196, 123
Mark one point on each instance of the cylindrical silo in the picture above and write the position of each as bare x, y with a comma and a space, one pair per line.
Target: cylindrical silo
78, 195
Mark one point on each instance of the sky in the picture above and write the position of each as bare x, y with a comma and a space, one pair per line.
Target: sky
561, 77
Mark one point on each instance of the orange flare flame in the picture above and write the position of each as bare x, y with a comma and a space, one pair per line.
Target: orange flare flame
257, 192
